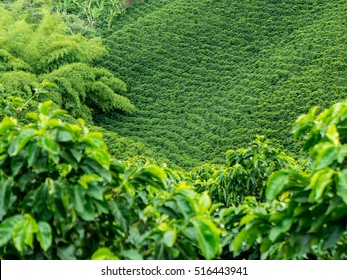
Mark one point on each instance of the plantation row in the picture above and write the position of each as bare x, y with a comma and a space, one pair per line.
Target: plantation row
199, 72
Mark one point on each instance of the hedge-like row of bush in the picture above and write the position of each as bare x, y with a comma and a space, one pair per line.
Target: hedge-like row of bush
207, 76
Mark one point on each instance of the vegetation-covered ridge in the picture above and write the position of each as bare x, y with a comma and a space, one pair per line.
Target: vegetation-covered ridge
206, 77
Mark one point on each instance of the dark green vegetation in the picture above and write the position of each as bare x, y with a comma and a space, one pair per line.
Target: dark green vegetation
207, 76
71, 190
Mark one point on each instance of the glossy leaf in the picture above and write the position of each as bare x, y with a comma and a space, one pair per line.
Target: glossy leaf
341, 186
22, 139
19, 235
319, 182
7, 123
66, 253
131, 255
49, 145
283, 181
103, 254
44, 235
64, 136
169, 238
204, 203
32, 153
6, 228
326, 156
45, 107
208, 237
185, 205
5, 195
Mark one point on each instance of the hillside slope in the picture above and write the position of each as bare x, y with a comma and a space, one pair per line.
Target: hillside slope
206, 76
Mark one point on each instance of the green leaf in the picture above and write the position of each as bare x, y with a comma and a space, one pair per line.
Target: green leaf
47, 144
87, 178
77, 154
103, 254
58, 112
32, 153
5, 195
58, 203
185, 205
101, 206
239, 240
333, 135
342, 153
246, 219
6, 228
131, 255
102, 157
208, 237
78, 198
282, 181
18, 235
169, 238
41, 199
64, 136
94, 139
96, 192
45, 107
54, 123
304, 122
66, 253
120, 211
204, 203
326, 156
319, 182
7, 123
341, 186
332, 235
90, 166
44, 235
156, 171
22, 139
88, 214
276, 184
30, 229
282, 227
17, 163
33, 116
67, 157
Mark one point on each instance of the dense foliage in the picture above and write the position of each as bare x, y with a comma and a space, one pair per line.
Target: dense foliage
93, 12
208, 76
309, 220
63, 197
245, 173
42, 53
204, 78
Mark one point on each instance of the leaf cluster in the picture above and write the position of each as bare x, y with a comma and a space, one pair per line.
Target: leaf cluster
244, 173
305, 214
63, 197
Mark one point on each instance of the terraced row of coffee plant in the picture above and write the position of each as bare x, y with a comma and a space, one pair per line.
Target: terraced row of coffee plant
207, 76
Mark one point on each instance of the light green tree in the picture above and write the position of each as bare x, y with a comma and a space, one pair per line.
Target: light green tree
33, 53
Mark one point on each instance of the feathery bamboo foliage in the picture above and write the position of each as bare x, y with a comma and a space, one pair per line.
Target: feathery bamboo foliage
32, 53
